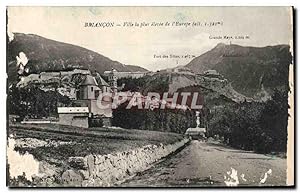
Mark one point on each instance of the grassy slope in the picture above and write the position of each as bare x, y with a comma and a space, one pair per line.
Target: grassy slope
86, 141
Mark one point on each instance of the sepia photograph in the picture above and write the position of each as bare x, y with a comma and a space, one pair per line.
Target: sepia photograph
152, 97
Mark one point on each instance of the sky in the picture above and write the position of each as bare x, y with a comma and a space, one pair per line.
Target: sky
142, 46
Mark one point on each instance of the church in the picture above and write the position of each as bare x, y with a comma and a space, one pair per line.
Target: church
86, 111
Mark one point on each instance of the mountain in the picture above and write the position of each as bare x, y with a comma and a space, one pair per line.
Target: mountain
251, 71
48, 55
214, 89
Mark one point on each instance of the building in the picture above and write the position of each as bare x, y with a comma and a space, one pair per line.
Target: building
74, 116
87, 96
89, 109
112, 79
196, 133
119, 75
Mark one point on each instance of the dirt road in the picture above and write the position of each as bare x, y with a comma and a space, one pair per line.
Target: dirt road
208, 164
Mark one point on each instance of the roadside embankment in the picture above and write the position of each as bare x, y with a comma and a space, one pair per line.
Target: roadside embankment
111, 169
75, 157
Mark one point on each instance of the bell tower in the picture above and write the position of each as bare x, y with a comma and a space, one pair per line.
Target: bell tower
112, 79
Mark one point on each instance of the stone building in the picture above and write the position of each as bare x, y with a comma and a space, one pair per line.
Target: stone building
112, 79
99, 111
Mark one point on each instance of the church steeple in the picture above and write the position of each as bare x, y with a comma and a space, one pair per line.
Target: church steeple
112, 79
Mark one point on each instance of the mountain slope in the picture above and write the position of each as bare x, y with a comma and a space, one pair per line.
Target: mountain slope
211, 88
49, 55
250, 70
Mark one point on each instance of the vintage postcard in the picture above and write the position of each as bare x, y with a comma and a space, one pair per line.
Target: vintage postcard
150, 97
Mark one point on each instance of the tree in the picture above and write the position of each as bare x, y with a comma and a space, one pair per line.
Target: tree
33, 102
257, 126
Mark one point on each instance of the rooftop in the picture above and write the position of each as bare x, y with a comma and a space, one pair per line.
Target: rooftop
89, 80
101, 81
